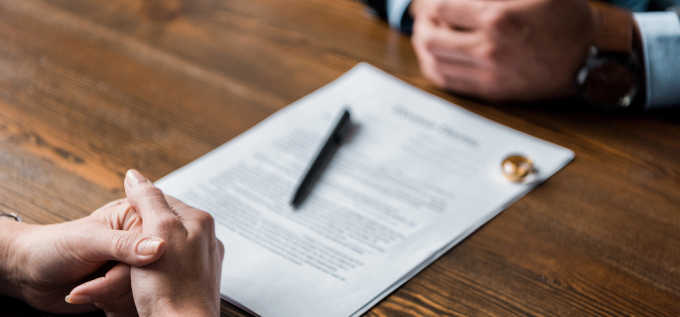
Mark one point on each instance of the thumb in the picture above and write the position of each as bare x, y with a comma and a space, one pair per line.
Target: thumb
133, 248
149, 202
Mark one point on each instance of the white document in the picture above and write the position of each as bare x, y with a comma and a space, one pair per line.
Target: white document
417, 176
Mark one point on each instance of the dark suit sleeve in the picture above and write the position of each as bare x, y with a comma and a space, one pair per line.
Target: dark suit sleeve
378, 6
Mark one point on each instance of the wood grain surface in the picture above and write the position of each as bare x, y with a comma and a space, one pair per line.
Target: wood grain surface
89, 89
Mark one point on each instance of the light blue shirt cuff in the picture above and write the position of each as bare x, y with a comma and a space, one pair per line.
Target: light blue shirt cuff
395, 12
660, 33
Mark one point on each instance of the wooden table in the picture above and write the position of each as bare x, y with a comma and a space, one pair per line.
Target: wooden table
89, 89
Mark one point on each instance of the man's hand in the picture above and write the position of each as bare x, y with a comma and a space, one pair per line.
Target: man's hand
41, 264
186, 280
503, 50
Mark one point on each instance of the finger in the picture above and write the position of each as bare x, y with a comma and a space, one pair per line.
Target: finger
457, 77
463, 47
476, 82
462, 85
104, 244
497, 19
421, 35
111, 204
149, 201
443, 42
129, 219
182, 210
427, 66
122, 306
194, 220
111, 293
114, 284
120, 217
462, 15
115, 202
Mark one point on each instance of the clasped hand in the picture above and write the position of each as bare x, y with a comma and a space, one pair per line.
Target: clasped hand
169, 259
503, 50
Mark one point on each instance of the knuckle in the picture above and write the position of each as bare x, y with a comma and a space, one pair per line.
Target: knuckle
220, 249
205, 220
495, 20
423, 36
441, 7
438, 6
432, 75
220, 246
439, 81
150, 191
429, 42
168, 224
122, 242
497, 56
490, 52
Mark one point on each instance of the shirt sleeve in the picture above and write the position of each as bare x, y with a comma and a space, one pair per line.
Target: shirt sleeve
397, 15
660, 33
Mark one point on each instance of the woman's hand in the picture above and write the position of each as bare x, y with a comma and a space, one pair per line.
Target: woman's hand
186, 280
42, 263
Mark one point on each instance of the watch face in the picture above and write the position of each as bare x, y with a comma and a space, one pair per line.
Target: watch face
610, 85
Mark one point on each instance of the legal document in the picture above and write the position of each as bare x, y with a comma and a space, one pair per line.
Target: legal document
416, 176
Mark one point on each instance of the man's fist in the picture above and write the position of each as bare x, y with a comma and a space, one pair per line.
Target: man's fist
508, 50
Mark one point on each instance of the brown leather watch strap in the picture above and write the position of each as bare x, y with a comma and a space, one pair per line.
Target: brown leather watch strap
615, 28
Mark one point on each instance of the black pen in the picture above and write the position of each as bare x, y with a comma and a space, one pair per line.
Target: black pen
322, 159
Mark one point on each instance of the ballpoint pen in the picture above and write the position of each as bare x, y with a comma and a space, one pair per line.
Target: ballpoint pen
340, 131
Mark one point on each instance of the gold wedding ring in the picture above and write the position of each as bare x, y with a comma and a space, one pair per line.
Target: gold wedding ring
516, 167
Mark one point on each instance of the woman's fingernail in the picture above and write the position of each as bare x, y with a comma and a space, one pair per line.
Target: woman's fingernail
79, 299
149, 246
133, 178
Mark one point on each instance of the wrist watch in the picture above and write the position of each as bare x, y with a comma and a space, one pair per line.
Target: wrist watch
609, 78
9, 216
